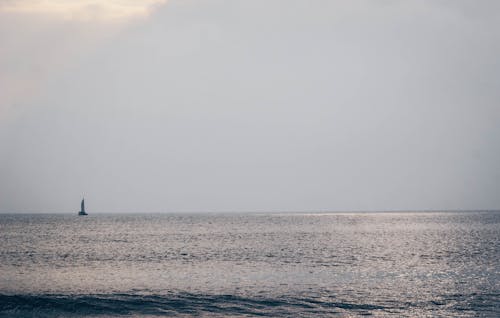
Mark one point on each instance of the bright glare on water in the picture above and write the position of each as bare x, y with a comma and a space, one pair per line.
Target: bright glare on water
381, 264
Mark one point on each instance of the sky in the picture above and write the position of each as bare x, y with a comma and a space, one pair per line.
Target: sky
222, 106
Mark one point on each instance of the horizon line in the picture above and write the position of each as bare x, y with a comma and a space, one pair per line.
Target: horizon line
270, 212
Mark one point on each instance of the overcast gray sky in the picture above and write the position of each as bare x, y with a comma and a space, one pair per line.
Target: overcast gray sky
214, 105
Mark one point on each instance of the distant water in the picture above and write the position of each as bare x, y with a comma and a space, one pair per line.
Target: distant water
297, 265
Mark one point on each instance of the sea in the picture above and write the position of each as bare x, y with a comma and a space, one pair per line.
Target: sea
383, 264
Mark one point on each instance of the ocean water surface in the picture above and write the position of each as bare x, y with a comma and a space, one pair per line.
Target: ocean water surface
428, 264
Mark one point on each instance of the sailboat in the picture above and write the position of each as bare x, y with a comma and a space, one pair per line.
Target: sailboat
82, 210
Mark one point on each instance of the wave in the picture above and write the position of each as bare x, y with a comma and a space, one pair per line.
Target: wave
180, 304
190, 304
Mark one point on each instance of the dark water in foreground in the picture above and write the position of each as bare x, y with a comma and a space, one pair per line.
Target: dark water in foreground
352, 264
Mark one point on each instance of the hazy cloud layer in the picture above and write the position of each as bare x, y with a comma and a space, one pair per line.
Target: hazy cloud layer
256, 105
81, 9
39, 38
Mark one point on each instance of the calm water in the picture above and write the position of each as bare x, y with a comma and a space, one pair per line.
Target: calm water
353, 264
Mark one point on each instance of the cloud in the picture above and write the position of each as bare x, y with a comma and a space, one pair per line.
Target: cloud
42, 38
83, 9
